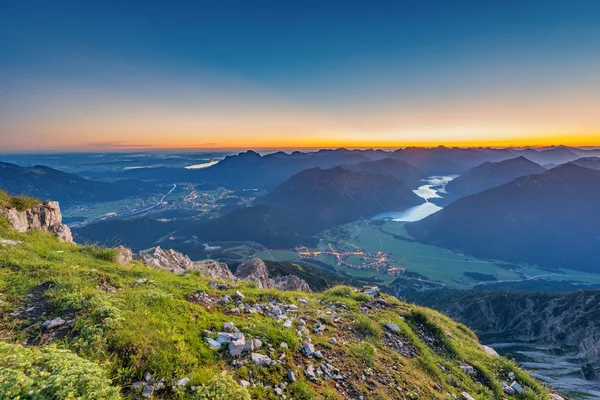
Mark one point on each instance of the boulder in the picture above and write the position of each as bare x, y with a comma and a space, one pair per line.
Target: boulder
124, 255
261, 359
169, 260
214, 270
45, 216
466, 396
489, 351
255, 270
392, 327
291, 282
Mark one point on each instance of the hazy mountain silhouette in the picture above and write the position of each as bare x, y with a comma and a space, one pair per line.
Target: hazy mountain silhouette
397, 168
550, 219
48, 183
489, 175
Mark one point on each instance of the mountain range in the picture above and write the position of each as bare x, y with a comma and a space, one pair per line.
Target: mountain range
44, 183
489, 175
549, 219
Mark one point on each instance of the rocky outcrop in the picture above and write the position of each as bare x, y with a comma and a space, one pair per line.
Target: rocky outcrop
292, 282
255, 270
124, 255
178, 263
213, 269
46, 217
170, 259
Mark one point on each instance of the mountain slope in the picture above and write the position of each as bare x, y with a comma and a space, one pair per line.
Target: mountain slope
549, 219
397, 168
588, 162
557, 320
443, 160
489, 175
44, 182
556, 155
252, 170
95, 329
335, 196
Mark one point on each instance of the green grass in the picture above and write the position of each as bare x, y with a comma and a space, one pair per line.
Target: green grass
119, 334
20, 203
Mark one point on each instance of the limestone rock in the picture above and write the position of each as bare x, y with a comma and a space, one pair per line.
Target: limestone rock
124, 255
255, 270
45, 217
169, 260
214, 270
489, 351
291, 282
261, 359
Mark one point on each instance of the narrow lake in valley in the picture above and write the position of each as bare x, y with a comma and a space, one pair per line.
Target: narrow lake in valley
434, 187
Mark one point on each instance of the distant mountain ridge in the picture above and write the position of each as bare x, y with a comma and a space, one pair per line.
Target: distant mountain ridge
44, 183
389, 166
550, 219
489, 175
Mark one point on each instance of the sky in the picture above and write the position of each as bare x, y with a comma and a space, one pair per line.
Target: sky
296, 74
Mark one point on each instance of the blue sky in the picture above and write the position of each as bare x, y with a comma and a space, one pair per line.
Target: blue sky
390, 71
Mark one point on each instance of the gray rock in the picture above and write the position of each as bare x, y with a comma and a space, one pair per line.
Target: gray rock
244, 383
45, 216
291, 376
518, 388
303, 300
310, 372
332, 340
392, 327
228, 327
236, 347
255, 270
261, 359
490, 352
54, 323
291, 282
183, 382
10, 242
466, 396
225, 300
308, 349
124, 255
213, 343
214, 270
283, 345
318, 355
372, 292
148, 391
509, 390
467, 369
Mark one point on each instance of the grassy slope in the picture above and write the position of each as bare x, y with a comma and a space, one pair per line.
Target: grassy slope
117, 336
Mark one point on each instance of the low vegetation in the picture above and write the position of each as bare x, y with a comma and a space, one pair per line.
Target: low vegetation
20, 203
120, 326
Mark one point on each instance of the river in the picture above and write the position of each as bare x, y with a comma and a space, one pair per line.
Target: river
434, 187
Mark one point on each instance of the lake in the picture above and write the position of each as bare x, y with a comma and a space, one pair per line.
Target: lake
434, 187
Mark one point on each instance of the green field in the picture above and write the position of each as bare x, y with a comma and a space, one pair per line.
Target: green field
433, 263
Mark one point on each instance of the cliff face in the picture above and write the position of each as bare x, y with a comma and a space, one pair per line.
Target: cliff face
45, 216
561, 320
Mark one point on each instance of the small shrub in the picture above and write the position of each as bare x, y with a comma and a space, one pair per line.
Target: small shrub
100, 253
301, 390
367, 328
20, 203
221, 387
365, 352
51, 373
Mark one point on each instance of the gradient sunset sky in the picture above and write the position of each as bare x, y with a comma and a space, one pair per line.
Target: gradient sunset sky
88, 75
